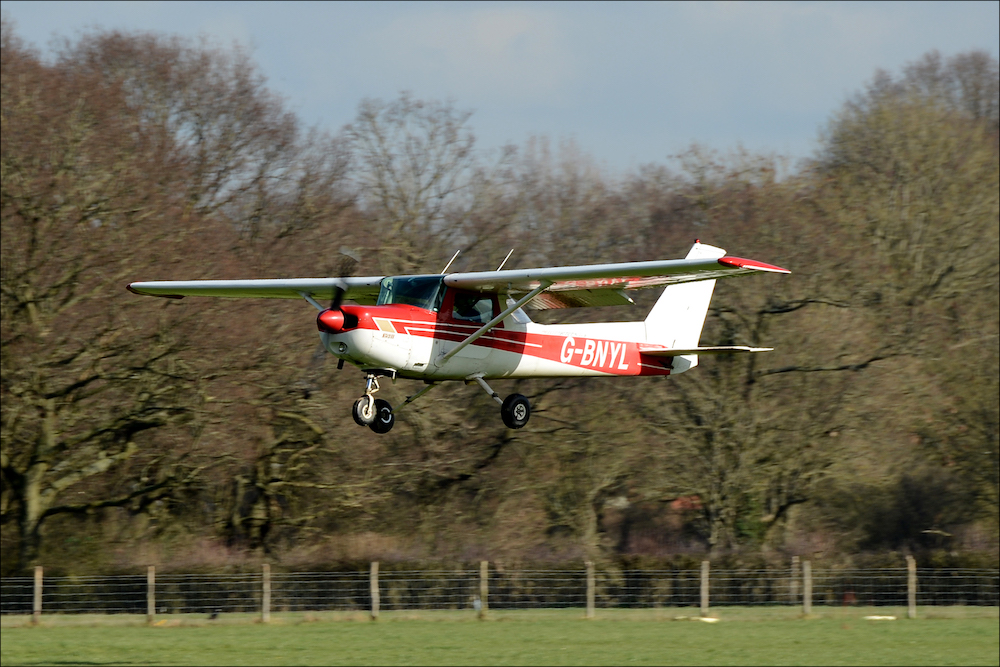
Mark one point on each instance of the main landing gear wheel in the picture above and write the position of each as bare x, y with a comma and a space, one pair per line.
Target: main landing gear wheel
364, 412
384, 418
515, 411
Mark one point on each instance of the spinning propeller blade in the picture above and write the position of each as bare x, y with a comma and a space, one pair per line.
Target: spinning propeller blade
349, 261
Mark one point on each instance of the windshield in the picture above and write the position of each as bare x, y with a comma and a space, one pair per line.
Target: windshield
421, 291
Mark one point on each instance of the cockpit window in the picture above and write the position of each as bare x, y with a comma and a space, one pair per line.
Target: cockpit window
420, 291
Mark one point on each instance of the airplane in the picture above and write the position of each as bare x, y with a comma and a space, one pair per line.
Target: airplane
472, 327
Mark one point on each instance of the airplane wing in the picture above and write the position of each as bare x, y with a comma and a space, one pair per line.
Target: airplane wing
567, 286
604, 284
362, 290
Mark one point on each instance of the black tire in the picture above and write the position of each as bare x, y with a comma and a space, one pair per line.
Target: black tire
384, 418
358, 412
515, 411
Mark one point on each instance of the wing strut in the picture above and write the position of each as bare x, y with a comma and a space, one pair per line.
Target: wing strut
315, 304
445, 356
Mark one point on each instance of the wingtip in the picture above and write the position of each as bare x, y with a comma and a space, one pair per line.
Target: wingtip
752, 264
132, 289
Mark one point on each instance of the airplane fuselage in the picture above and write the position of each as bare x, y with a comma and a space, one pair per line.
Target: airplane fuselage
410, 340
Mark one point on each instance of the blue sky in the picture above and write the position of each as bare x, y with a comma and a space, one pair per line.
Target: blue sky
631, 83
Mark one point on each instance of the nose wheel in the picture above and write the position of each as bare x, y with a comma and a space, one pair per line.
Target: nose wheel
364, 411
373, 412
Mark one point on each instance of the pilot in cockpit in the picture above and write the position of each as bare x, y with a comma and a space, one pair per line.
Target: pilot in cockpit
470, 307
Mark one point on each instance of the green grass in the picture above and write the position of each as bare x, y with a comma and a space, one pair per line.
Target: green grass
949, 636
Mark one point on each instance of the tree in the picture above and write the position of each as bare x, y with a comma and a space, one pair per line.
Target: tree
131, 154
84, 386
420, 178
751, 435
916, 179
910, 169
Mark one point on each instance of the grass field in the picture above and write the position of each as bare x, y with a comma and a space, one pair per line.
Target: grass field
941, 636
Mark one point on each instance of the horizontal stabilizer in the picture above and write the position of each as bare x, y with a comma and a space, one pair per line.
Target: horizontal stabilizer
661, 351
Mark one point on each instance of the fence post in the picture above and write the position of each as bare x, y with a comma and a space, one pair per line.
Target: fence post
36, 603
590, 589
911, 587
484, 588
794, 587
704, 587
265, 598
807, 588
373, 578
151, 594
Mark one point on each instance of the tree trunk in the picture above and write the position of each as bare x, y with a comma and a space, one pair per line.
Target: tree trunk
33, 505
30, 516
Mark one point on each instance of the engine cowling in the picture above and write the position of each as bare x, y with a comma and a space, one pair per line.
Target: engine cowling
331, 320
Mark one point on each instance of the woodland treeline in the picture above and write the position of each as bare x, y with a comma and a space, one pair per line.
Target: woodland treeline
201, 432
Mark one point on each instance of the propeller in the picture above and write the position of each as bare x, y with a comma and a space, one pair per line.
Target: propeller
349, 261
332, 317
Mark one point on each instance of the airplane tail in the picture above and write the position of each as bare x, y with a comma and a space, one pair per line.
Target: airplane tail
677, 318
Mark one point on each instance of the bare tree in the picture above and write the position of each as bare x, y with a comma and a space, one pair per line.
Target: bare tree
84, 386
420, 177
134, 154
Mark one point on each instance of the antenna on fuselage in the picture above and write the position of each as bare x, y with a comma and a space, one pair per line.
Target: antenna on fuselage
448, 265
505, 259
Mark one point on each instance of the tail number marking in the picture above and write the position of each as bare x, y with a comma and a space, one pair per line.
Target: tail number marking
598, 354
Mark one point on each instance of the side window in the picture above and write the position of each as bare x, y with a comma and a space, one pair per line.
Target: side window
472, 307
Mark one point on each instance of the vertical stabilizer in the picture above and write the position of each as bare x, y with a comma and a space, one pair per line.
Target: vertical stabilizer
678, 316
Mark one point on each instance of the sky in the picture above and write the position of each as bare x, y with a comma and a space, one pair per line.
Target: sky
630, 83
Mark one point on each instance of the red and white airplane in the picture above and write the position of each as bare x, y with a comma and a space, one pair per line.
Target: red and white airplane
472, 327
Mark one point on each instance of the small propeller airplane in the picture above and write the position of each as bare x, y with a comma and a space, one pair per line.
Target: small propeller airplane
472, 327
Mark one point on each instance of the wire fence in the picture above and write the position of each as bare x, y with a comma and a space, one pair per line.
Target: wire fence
461, 588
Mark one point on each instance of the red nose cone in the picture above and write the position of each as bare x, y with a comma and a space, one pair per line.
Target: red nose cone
330, 321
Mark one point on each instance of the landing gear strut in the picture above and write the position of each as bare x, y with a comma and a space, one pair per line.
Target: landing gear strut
373, 412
